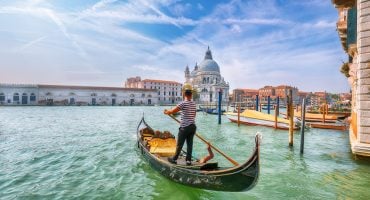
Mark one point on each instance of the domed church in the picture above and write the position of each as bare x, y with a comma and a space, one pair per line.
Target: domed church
207, 80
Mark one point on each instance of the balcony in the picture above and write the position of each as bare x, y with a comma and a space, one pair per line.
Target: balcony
344, 3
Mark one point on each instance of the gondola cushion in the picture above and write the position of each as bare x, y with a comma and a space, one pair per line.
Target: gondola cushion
162, 147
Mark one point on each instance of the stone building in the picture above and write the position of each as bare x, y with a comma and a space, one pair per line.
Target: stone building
168, 92
207, 80
25, 94
353, 28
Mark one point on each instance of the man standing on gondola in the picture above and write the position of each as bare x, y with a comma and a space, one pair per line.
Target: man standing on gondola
187, 126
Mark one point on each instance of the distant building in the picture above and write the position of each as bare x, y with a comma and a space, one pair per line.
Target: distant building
27, 94
168, 92
281, 91
244, 95
207, 80
319, 98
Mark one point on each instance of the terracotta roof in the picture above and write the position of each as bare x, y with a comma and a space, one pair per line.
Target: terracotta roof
93, 88
160, 81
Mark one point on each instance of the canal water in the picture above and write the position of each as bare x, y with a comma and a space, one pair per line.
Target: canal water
90, 153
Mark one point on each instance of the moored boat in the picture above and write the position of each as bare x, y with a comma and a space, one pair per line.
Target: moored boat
335, 126
201, 175
252, 117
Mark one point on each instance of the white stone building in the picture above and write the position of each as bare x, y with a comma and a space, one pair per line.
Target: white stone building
24, 94
168, 92
207, 80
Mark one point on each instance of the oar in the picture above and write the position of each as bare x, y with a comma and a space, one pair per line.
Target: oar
205, 141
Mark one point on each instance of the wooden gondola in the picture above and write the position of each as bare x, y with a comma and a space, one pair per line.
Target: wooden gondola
207, 175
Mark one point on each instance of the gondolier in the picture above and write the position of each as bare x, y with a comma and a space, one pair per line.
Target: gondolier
187, 126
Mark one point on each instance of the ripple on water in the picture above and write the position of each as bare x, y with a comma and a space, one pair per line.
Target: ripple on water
90, 153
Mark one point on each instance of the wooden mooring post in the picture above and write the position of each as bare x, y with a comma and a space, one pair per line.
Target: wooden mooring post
239, 114
276, 116
278, 105
303, 117
291, 116
257, 102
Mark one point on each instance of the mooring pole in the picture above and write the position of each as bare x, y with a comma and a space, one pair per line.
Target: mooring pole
219, 105
276, 116
303, 117
278, 105
291, 116
257, 102
239, 114
268, 104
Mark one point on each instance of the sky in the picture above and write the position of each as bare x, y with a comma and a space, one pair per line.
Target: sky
102, 43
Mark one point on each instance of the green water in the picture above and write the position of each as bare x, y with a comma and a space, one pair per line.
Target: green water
89, 153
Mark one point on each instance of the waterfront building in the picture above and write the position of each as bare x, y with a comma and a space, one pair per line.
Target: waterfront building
168, 92
206, 79
244, 95
266, 91
27, 94
354, 33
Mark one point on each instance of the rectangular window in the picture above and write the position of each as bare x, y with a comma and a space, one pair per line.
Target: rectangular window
32, 98
2, 98
159, 93
164, 93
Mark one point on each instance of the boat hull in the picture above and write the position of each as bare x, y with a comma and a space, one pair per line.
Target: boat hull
257, 122
239, 178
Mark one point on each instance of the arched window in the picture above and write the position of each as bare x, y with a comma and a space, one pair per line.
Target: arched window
16, 97
93, 94
207, 79
113, 95
204, 80
2, 97
32, 97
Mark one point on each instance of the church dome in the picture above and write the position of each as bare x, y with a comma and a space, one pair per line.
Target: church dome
208, 64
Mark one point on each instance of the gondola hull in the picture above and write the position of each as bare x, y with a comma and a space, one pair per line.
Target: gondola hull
239, 178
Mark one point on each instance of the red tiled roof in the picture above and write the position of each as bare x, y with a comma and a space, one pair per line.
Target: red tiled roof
160, 81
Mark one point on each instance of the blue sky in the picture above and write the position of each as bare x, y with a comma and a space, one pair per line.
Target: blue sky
101, 43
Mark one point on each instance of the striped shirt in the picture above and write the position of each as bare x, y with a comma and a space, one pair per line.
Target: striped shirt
188, 111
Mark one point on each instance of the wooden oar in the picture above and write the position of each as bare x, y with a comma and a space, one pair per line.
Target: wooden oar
205, 141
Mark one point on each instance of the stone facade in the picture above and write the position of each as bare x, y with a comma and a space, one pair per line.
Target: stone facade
357, 44
23, 94
168, 92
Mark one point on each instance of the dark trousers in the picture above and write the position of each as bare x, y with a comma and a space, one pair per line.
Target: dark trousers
185, 134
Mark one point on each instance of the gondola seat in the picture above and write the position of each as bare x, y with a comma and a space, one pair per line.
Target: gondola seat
162, 147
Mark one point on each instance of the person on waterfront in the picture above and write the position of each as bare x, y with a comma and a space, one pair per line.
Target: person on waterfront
187, 126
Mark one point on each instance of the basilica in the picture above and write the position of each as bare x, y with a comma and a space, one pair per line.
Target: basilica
207, 80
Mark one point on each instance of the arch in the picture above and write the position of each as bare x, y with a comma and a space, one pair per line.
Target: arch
207, 79
32, 97
16, 97
2, 97
204, 80
24, 98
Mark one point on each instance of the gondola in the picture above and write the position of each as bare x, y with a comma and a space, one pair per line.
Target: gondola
208, 175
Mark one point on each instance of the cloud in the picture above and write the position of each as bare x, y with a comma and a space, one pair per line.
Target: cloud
255, 42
